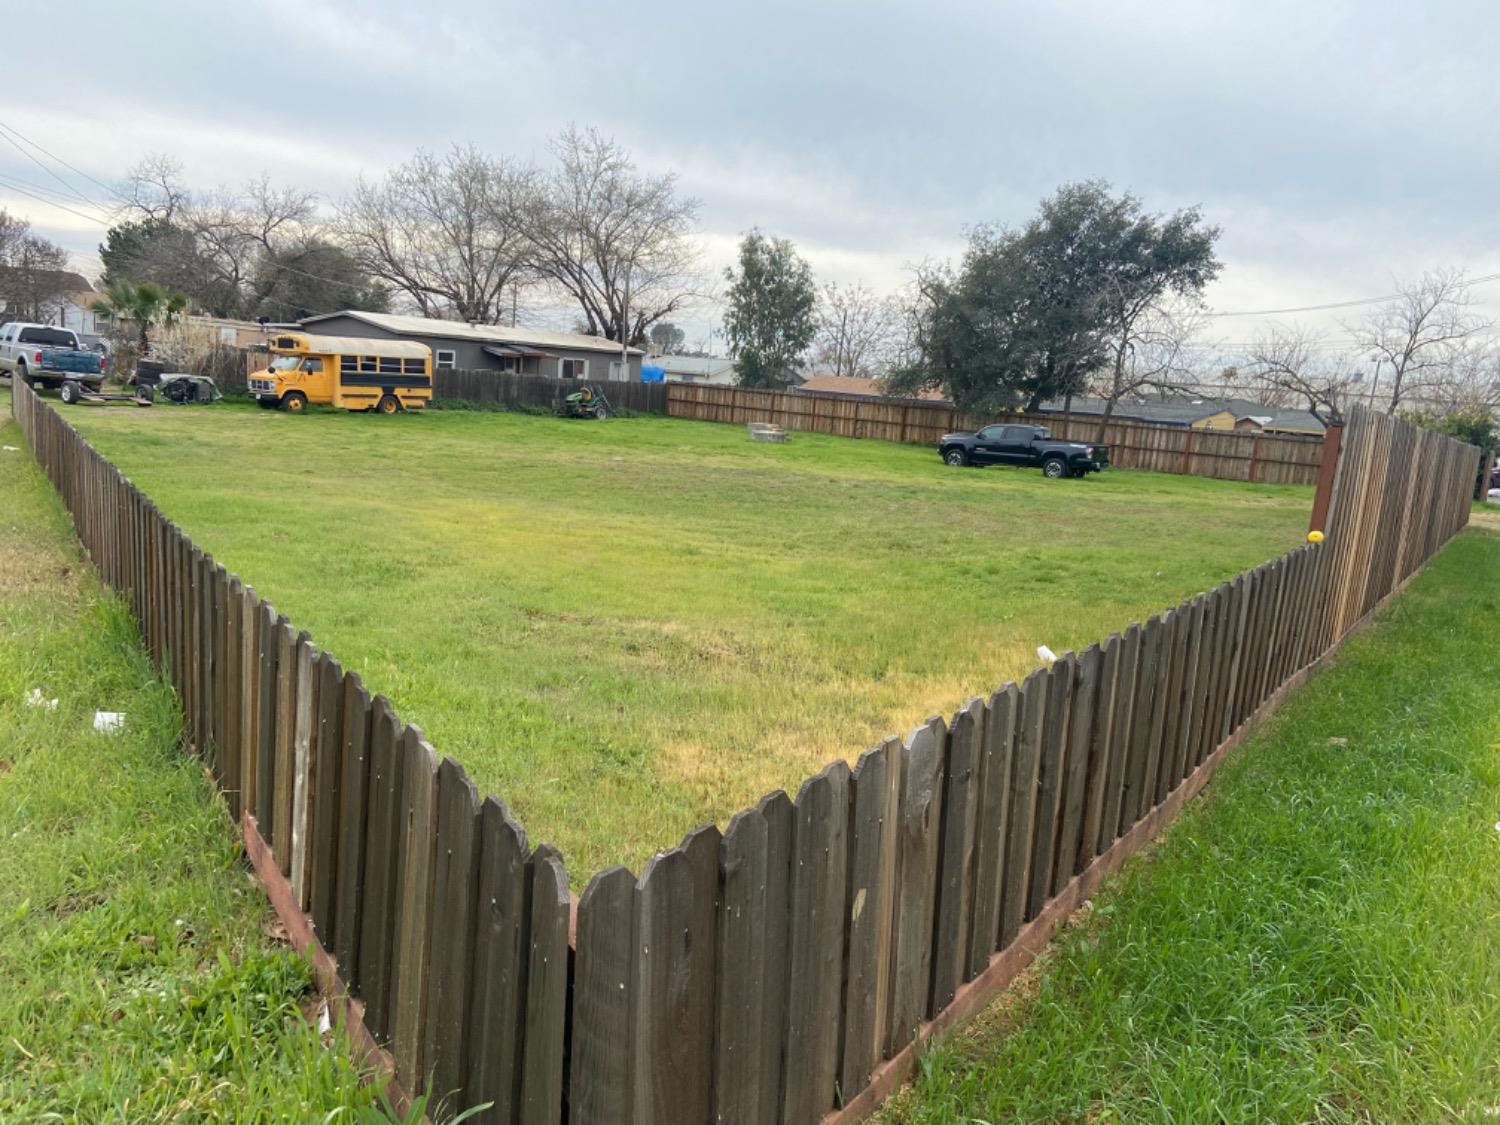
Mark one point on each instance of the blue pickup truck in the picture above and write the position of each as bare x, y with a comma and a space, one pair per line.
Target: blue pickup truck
45, 355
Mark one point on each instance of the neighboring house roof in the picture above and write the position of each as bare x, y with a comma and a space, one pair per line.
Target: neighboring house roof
851, 386
399, 325
1175, 413
1275, 417
83, 298
703, 366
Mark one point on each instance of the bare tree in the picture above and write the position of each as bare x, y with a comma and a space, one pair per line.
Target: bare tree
858, 331
446, 231
1419, 331
33, 272
1148, 348
601, 232
153, 189
1288, 361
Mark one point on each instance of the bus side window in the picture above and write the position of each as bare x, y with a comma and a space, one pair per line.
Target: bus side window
311, 364
348, 363
367, 363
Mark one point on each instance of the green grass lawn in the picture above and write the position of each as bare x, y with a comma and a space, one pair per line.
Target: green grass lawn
1316, 940
137, 981
629, 628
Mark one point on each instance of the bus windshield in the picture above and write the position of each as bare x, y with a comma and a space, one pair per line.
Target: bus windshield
285, 363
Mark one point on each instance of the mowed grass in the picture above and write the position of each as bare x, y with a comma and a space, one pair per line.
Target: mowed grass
628, 628
137, 980
1316, 940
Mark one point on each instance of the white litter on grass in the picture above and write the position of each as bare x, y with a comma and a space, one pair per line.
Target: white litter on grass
1497, 826
11, 448
34, 699
325, 1024
106, 722
1046, 654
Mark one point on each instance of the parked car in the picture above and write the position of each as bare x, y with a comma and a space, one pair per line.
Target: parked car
44, 355
1029, 446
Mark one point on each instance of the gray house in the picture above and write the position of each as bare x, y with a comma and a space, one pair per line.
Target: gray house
489, 347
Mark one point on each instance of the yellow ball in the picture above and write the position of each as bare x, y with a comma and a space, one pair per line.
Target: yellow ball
1315, 537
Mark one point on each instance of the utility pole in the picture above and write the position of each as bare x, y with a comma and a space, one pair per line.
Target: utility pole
625, 330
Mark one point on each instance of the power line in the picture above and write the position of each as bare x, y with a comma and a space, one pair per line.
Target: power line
53, 203
32, 185
1465, 284
51, 155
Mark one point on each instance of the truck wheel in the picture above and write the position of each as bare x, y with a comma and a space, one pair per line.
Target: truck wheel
387, 404
956, 457
294, 402
1054, 468
70, 393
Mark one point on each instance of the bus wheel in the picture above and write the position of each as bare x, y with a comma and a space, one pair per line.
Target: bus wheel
387, 404
294, 402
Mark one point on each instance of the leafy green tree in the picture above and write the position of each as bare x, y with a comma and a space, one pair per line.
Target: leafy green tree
1033, 314
146, 305
771, 319
314, 277
668, 338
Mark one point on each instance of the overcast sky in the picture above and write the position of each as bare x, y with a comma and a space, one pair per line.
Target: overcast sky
1339, 145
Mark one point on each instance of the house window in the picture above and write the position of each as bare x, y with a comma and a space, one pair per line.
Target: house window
446, 359
573, 368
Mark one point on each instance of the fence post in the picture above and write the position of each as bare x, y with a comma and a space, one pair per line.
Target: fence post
1327, 470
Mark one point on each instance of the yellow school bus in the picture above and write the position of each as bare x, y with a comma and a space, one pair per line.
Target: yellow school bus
346, 371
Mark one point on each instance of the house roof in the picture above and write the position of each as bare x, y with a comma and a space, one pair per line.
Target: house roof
704, 365
852, 386
1275, 417
399, 325
1187, 411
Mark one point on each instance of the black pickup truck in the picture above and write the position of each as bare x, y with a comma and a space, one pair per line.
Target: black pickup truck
1011, 444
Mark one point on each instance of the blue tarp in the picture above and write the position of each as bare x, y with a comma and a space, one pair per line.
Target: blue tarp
653, 374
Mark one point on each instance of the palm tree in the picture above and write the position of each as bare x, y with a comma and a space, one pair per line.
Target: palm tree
146, 304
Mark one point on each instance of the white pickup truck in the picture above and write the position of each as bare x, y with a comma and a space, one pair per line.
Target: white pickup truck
45, 355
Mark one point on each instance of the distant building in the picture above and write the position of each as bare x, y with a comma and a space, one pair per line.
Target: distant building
489, 347
712, 370
851, 386
1198, 414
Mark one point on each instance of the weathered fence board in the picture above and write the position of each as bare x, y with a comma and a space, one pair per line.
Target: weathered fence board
766, 975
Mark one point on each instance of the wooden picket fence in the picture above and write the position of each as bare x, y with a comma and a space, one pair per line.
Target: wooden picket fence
1224, 454
783, 970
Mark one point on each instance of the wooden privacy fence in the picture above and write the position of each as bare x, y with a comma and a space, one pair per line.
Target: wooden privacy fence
782, 970
1224, 454
230, 368
512, 391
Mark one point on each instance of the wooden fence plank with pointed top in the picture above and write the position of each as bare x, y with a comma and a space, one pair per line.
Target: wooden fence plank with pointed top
1136, 799
305, 721
383, 825
414, 865
599, 1086
1080, 740
323, 801
455, 879
779, 814
544, 1037
955, 901
1116, 777
353, 787
920, 784
501, 941
870, 789
675, 982
741, 975
1023, 800
1101, 737
1051, 764
991, 814
815, 944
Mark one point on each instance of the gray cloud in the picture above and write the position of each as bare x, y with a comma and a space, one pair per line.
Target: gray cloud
1338, 144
